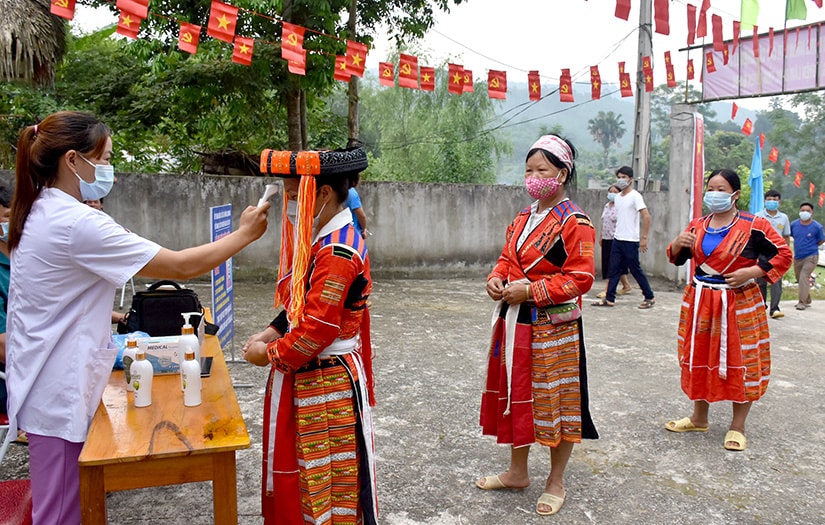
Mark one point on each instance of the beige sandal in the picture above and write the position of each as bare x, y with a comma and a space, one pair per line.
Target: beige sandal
554, 502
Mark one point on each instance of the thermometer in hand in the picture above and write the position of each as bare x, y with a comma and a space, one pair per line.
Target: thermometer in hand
271, 189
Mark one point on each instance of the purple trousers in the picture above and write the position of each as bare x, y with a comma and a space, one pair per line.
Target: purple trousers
55, 480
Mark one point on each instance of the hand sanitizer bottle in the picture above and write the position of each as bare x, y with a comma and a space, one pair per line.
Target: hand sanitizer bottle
142, 374
129, 354
188, 342
190, 373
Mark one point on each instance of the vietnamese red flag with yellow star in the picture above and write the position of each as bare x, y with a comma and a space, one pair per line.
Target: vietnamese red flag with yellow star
595, 83
468, 81
622, 9
821, 198
690, 69
725, 54
188, 37
341, 71
621, 68
747, 127
811, 189
718, 39
774, 155
661, 15
386, 73
427, 78
242, 53
222, 21
534, 85
136, 7
455, 82
292, 42
565, 86
797, 181
63, 8
702, 22
691, 24
711, 67
128, 24
408, 71
648, 76
761, 141
787, 168
734, 108
356, 58
497, 84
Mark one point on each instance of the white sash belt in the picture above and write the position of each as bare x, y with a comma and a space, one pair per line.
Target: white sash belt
339, 347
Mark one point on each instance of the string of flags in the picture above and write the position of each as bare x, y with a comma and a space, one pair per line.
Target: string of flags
223, 20
773, 156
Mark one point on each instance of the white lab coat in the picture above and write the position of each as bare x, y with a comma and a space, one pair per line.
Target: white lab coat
64, 274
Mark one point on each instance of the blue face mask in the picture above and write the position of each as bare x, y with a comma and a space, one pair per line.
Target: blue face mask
718, 201
611, 197
772, 205
104, 180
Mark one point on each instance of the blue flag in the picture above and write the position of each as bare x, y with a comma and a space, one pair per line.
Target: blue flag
755, 181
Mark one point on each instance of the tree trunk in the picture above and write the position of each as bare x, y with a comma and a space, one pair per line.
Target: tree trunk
293, 118
304, 140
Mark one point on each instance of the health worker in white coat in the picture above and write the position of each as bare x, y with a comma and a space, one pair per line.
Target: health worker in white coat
67, 260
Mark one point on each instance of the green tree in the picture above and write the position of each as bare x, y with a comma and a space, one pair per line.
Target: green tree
607, 129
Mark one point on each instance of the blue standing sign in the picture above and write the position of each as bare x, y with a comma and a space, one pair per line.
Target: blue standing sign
223, 297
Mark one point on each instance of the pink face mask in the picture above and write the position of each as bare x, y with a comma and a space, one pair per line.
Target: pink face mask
539, 188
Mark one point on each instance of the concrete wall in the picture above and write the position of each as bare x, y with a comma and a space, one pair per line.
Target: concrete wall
419, 229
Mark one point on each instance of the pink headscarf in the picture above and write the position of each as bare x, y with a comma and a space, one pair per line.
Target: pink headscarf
556, 146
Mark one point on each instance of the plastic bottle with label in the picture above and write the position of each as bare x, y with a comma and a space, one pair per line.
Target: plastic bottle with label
190, 374
129, 354
188, 342
142, 374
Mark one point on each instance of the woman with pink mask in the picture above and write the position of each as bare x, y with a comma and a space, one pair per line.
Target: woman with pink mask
536, 388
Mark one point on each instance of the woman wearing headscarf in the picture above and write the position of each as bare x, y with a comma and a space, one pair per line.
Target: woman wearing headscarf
536, 388
319, 457
723, 339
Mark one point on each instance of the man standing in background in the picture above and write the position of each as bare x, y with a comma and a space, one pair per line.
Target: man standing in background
359, 218
782, 224
807, 236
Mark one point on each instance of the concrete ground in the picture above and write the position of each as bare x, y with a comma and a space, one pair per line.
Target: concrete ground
431, 337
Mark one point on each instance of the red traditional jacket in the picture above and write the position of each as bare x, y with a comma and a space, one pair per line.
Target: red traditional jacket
557, 256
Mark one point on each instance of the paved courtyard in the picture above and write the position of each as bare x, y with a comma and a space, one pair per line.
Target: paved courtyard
430, 338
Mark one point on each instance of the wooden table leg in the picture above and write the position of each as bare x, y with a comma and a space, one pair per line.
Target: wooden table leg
93, 496
225, 489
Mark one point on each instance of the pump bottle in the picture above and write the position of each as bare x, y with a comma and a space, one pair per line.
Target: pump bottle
142, 374
128, 358
188, 342
190, 374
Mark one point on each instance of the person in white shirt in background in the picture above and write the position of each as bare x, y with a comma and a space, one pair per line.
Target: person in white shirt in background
782, 224
628, 239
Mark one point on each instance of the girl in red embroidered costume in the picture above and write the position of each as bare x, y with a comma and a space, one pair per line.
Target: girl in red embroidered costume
536, 389
319, 454
723, 338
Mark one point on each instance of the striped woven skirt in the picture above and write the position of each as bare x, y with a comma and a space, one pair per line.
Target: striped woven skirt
724, 345
549, 373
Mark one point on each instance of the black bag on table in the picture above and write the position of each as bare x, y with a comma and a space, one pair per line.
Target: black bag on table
157, 311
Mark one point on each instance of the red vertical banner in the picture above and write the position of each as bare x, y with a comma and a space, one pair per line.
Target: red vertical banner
386, 73
534, 81
702, 23
648, 75
733, 109
624, 82
821, 198
761, 141
136, 7
797, 181
456, 79
690, 70
725, 54
736, 31
774, 155
468, 81
497, 84
756, 41
408, 71
565, 86
718, 39
770, 40
595, 83
709, 65
747, 127
691, 24
787, 168
622, 9
811, 189
671, 75
661, 15
427, 78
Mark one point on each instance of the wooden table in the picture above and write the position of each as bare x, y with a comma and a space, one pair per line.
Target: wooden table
165, 443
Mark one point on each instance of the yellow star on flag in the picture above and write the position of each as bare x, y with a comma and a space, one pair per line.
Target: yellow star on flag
356, 60
457, 79
426, 77
342, 66
223, 22
126, 21
596, 84
535, 88
244, 49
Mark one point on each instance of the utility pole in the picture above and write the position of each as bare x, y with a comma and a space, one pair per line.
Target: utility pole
641, 124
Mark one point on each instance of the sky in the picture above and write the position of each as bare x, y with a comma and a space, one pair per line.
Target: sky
548, 35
